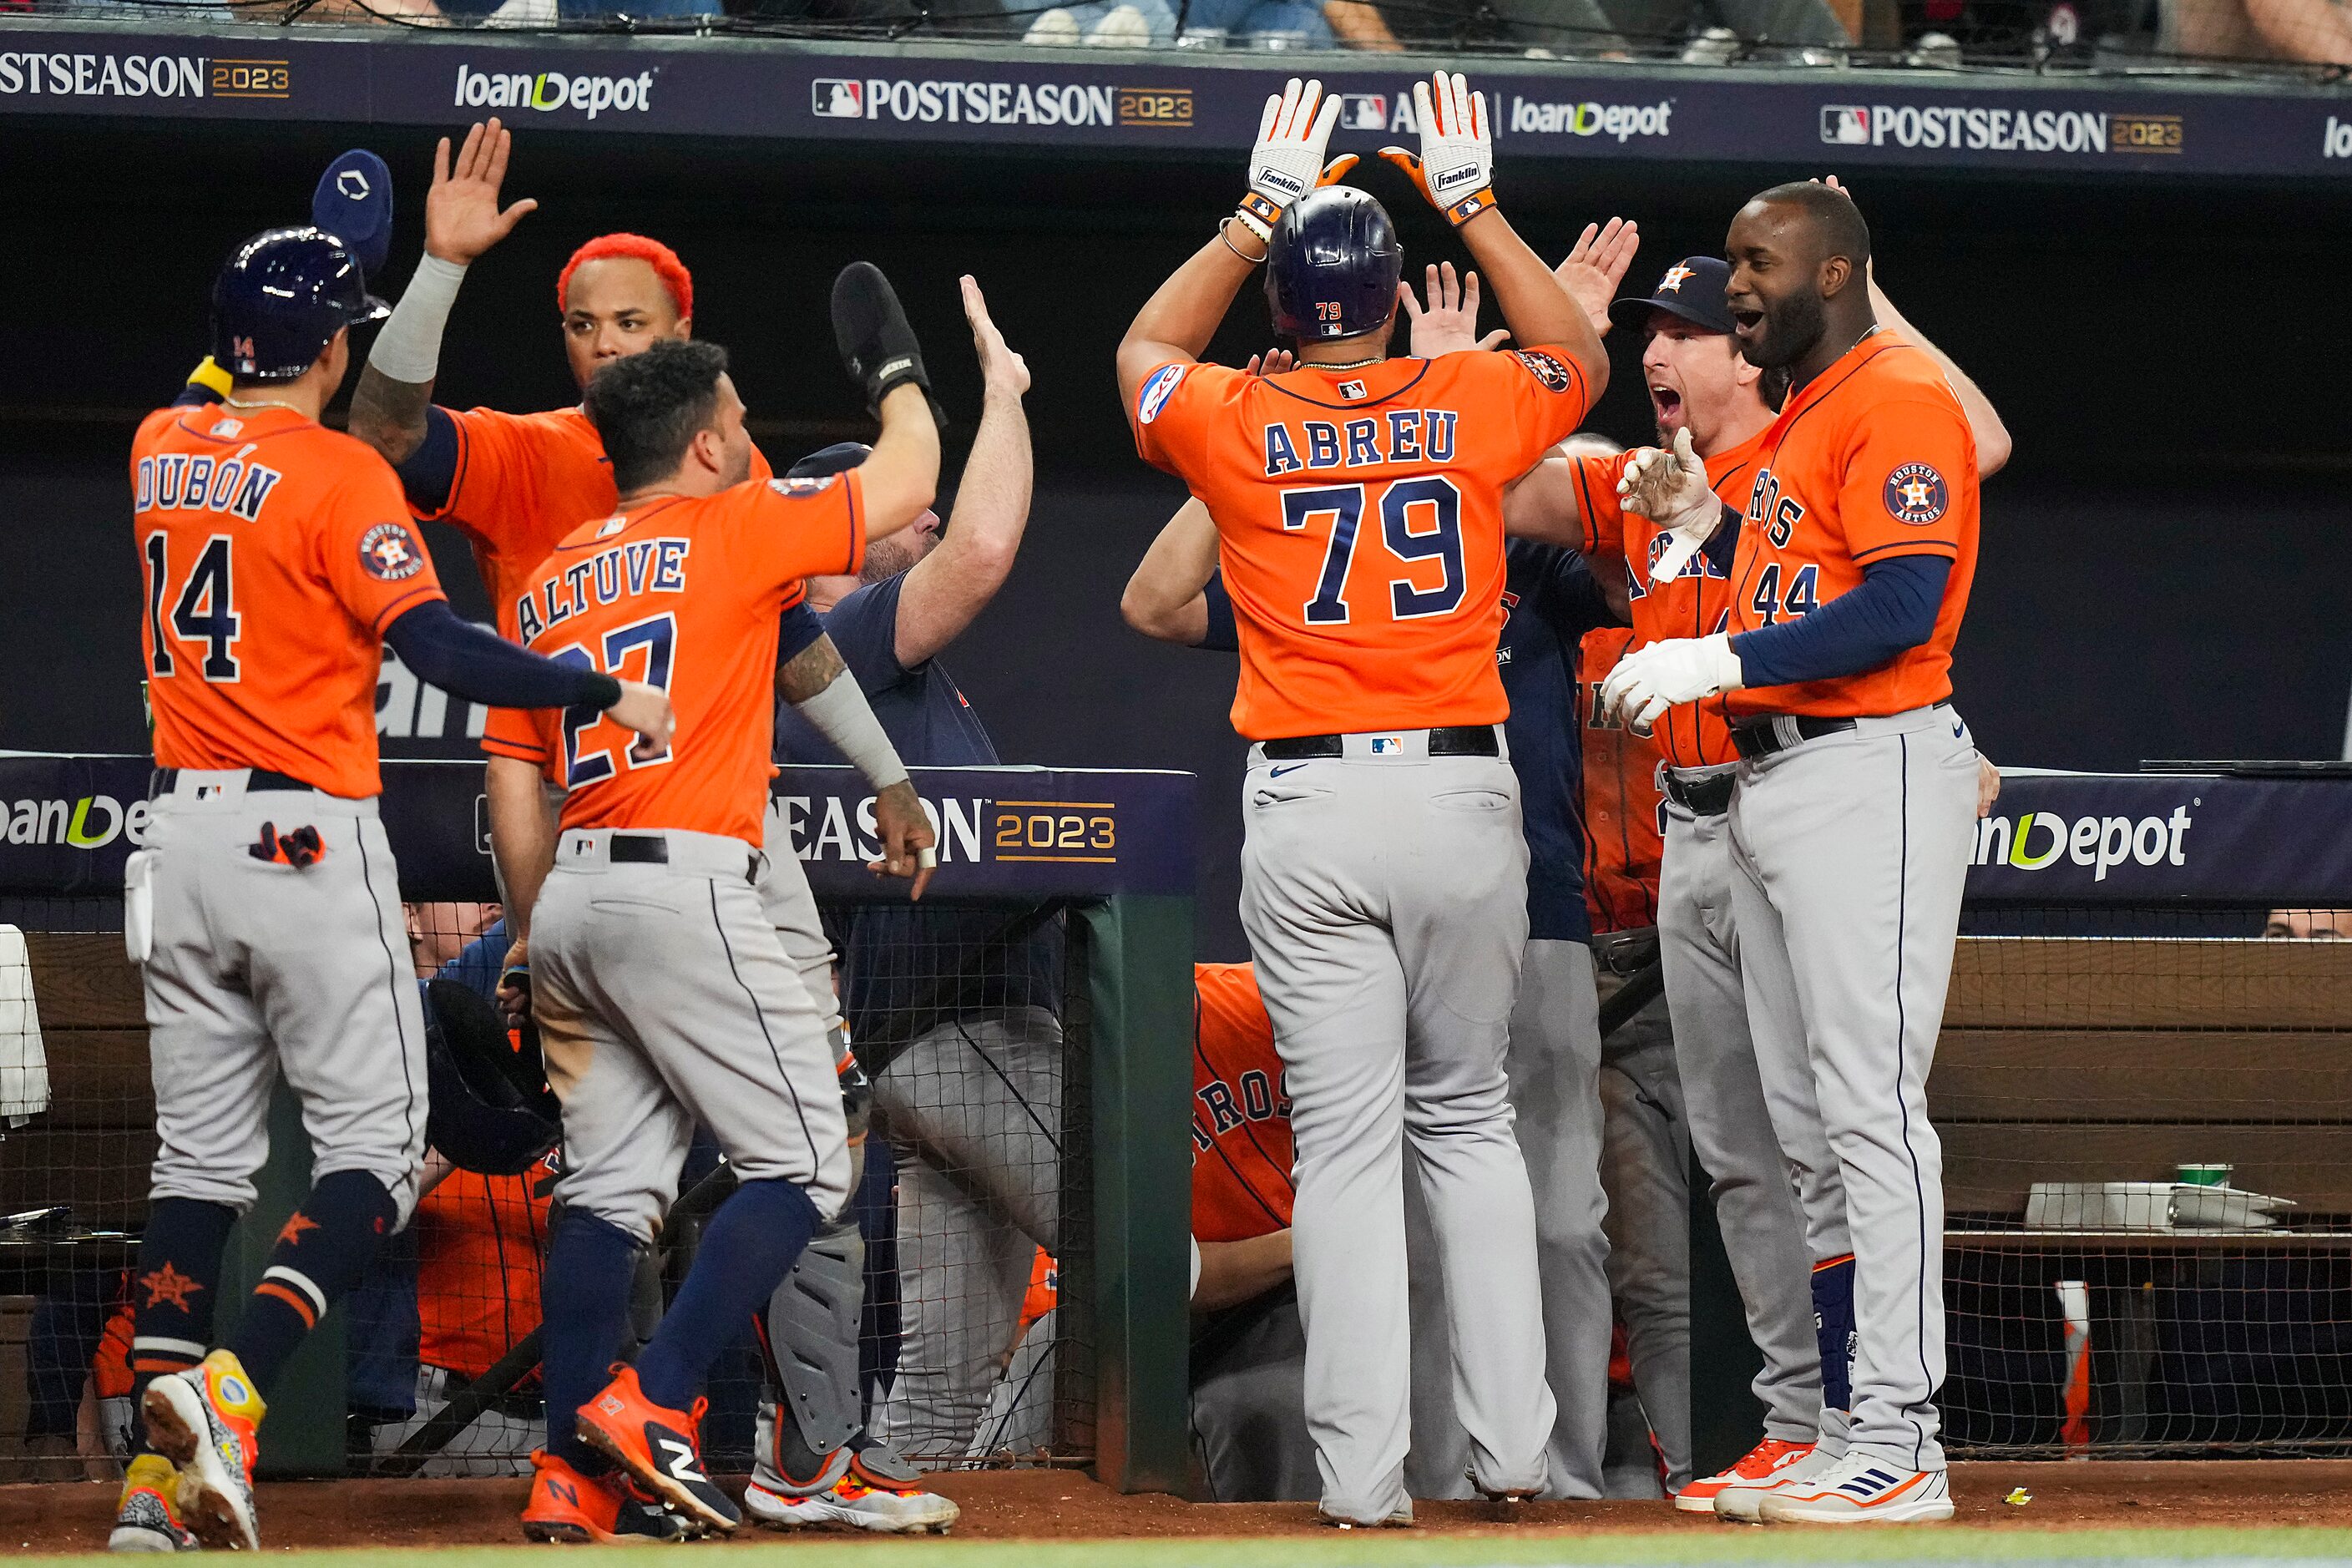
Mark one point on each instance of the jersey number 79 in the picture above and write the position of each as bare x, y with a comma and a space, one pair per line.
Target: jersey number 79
1420, 520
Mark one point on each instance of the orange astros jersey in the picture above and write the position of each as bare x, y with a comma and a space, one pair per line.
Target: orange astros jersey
275, 551
1360, 525
523, 482
1696, 604
1241, 1116
1625, 826
1870, 460
683, 594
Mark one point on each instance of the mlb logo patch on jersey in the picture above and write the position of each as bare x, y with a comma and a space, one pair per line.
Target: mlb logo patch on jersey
388, 552
830, 97
1915, 494
1388, 746
1353, 391
229, 430
805, 486
1158, 391
1555, 375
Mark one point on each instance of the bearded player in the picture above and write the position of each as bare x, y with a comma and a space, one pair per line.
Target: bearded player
515, 485
1852, 819
1357, 504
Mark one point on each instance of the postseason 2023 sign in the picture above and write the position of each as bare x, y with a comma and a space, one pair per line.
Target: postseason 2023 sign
1000, 97
2093, 839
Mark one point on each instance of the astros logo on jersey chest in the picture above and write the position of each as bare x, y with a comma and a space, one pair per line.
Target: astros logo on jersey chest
1779, 513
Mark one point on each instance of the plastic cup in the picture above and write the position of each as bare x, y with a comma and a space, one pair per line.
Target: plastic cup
2204, 1176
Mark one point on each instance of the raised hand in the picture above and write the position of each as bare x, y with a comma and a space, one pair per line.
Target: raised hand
1595, 265
1449, 323
1001, 369
1287, 159
462, 218
1455, 167
1274, 362
1669, 486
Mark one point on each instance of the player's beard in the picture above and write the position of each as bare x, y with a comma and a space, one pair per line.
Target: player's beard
886, 558
1792, 326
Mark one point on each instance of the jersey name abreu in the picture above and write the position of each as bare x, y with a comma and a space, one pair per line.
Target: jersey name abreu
1401, 435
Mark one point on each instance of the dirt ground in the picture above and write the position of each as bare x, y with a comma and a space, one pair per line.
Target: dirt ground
1046, 1504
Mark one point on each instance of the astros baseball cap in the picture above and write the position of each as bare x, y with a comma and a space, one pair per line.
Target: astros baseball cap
1692, 288
826, 461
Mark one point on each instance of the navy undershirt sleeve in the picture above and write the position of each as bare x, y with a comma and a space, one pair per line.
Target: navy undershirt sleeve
797, 630
196, 394
466, 660
428, 473
1223, 636
1894, 610
1722, 546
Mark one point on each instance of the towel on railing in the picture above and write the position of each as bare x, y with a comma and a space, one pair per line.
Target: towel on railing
24, 1066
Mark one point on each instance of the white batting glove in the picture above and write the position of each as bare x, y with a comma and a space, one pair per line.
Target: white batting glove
1287, 160
1670, 488
1649, 680
1455, 169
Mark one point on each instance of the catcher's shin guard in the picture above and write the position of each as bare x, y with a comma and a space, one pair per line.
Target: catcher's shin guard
808, 1336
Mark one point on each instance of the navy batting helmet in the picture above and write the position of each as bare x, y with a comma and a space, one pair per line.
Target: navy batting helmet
1332, 268
490, 1109
282, 298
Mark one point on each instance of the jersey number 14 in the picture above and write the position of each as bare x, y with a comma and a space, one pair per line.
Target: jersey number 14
205, 612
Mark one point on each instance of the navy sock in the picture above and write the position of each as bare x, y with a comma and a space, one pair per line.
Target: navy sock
1834, 1329
747, 1251
584, 1295
321, 1254
175, 1287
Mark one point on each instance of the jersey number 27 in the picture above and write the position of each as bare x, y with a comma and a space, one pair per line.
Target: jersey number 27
1420, 520
657, 636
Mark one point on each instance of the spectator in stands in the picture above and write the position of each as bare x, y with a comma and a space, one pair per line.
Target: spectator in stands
2309, 32
1702, 31
1292, 24
2309, 925
954, 1014
437, 934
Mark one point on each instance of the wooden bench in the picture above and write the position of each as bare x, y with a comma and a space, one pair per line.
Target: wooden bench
2102, 1059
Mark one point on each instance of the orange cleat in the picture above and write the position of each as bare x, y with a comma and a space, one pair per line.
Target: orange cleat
661, 1447
1760, 1466
568, 1507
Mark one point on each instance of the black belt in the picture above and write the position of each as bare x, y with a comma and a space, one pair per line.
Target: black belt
1762, 738
637, 849
1454, 741
165, 780
1701, 797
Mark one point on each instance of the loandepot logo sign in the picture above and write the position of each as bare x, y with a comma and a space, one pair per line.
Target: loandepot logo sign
2035, 839
93, 822
547, 91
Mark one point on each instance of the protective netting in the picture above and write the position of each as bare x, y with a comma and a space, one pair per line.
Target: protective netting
2146, 1119
974, 1208
2119, 36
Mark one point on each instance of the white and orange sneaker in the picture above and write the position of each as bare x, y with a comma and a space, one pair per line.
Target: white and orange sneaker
204, 1420
1764, 1462
1860, 1489
1744, 1500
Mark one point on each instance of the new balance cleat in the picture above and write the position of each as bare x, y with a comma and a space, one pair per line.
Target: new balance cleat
1860, 1489
205, 1421
661, 1447
863, 1486
1761, 1463
148, 1518
566, 1506
1744, 1500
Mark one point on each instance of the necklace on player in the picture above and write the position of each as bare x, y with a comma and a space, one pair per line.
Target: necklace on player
260, 402
1350, 364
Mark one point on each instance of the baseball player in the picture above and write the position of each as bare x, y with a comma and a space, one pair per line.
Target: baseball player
955, 1013
1357, 501
265, 906
664, 995
1702, 393
1856, 789
517, 484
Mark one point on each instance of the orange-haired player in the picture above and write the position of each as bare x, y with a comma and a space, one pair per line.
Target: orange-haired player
1357, 501
663, 994
278, 558
515, 484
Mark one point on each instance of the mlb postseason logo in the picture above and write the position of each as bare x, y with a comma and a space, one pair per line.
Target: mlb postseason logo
832, 98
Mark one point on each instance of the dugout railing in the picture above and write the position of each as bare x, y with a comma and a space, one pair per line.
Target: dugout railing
1093, 868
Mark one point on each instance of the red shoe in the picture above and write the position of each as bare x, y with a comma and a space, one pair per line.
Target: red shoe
566, 1506
660, 1447
1759, 1465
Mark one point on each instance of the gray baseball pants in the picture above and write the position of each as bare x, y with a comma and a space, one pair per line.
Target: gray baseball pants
1384, 895
1755, 1185
1851, 854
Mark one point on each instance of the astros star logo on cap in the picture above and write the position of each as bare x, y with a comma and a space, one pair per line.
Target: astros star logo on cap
1672, 283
